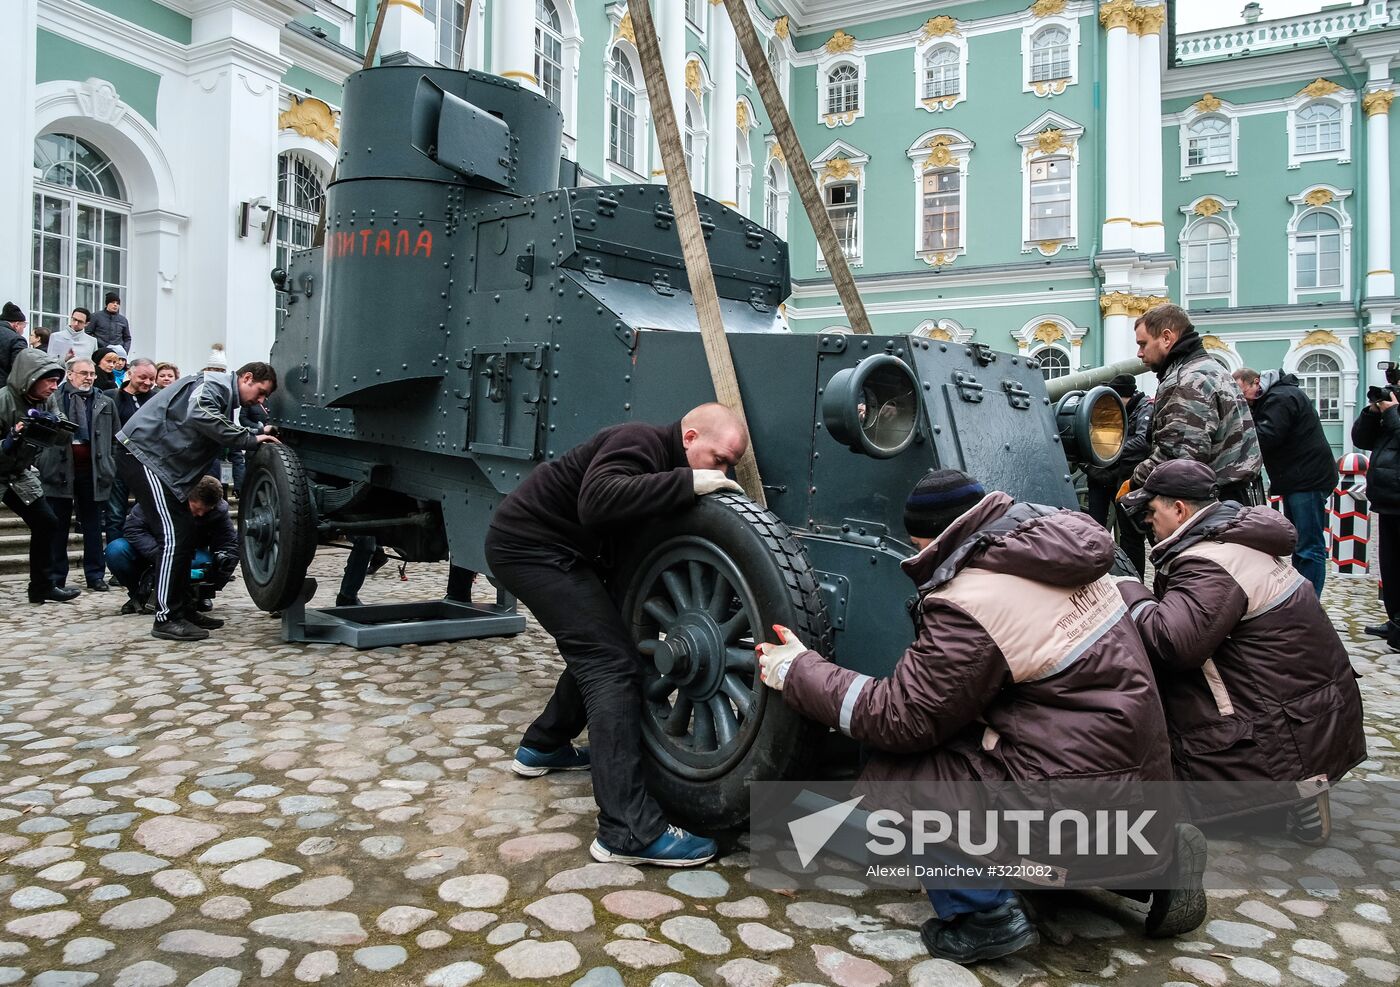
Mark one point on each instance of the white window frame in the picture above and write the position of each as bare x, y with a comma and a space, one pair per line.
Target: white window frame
948, 330
700, 134
1333, 206
572, 41
939, 150
1340, 351
1194, 217
937, 104
1194, 116
291, 215
743, 169
438, 13
1031, 143
1343, 101
1030, 339
825, 67
1032, 28
857, 160
1059, 350
776, 169
779, 55
1306, 376
697, 23
612, 170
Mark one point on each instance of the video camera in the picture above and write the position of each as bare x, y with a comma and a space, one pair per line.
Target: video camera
1392, 383
45, 429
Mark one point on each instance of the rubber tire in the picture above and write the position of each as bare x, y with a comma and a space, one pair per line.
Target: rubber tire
296, 529
786, 591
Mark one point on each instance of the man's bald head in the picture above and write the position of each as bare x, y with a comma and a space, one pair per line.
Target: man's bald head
715, 438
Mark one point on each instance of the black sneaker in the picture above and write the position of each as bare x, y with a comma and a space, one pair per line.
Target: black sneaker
978, 936
1310, 823
177, 630
204, 620
1181, 908
54, 594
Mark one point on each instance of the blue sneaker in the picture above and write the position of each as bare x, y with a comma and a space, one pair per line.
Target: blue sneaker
531, 763
673, 848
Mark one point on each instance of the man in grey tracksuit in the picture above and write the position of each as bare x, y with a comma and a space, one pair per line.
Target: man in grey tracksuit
162, 453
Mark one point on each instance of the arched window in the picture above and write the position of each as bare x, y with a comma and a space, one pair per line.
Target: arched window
843, 207
449, 17
622, 113
690, 142
843, 89
1050, 55
300, 193
771, 204
549, 51
1321, 378
941, 75
1208, 142
1208, 259
81, 220
1317, 128
942, 212
1317, 249
1054, 362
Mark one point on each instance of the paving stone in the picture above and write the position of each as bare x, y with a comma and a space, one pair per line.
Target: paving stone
523, 849
314, 846
44, 925
1364, 938
255, 874
1206, 971
568, 912
750, 907
673, 979
638, 954
219, 976
200, 943
130, 863
178, 883
699, 934
1318, 974
698, 884
890, 944
48, 978
321, 927
1256, 970
380, 958
591, 876
599, 976
403, 919
507, 932
472, 921
432, 939
533, 960
86, 949
1381, 971
942, 973
234, 850
762, 939
32, 897
272, 959
317, 966
1240, 935
640, 905
845, 970
746, 973
225, 906
455, 975
147, 973
383, 847
474, 890
316, 892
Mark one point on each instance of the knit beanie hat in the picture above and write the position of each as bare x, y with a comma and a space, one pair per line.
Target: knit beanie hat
938, 500
1124, 384
12, 313
111, 297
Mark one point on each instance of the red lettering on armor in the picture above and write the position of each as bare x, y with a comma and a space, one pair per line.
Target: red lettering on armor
425, 244
364, 241
383, 243
386, 243
401, 244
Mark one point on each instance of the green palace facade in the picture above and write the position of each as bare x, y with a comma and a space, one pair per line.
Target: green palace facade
1027, 175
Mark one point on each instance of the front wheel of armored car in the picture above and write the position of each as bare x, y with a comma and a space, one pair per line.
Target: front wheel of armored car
699, 590
276, 526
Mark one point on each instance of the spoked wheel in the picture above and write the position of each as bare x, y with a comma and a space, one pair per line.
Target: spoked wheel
700, 591
276, 526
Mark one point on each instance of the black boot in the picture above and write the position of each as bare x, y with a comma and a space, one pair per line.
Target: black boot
202, 620
177, 630
1381, 630
54, 594
978, 936
1182, 907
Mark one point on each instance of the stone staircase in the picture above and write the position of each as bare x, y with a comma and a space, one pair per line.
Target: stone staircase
14, 543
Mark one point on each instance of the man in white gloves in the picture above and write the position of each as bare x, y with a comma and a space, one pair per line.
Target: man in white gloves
550, 544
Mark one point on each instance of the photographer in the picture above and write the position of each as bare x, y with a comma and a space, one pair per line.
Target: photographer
1377, 428
27, 405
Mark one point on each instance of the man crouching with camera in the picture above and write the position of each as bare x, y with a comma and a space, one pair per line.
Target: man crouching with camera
29, 417
1378, 429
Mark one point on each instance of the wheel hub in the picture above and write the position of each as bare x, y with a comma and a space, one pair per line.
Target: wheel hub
692, 654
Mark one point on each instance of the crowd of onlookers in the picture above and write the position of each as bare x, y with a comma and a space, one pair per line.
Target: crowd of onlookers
85, 375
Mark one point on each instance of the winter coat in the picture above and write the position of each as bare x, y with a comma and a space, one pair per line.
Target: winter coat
1005, 668
111, 330
1137, 441
12, 344
81, 344
1296, 451
1256, 684
17, 466
1200, 414
128, 404
56, 462
212, 532
1380, 433
177, 432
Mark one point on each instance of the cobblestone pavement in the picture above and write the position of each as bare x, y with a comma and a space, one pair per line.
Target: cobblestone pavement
246, 810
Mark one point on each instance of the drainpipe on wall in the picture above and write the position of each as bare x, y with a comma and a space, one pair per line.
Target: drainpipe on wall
1101, 116
1358, 160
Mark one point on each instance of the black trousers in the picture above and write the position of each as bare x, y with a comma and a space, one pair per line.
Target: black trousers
169, 516
43, 533
1130, 540
91, 520
600, 687
1388, 554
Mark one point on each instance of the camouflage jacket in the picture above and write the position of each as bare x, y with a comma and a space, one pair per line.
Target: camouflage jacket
1200, 414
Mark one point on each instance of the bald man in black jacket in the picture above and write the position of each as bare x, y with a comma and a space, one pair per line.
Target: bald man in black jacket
549, 545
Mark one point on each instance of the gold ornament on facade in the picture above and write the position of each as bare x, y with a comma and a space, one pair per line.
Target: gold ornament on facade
1208, 207
840, 42
938, 332
1377, 101
1319, 87
1139, 304
837, 169
840, 119
1215, 343
741, 115
1048, 332
940, 103
939, 156
1114, 303
1208, 103
1378, 340
1050, 87
692, 77
938, 27
940, 259
1319, 337
1318, 197
780, 26
1117, 13
624, 29
312, 118
775, 151
1147, 20
1047, 8
1049, 247
1050, 141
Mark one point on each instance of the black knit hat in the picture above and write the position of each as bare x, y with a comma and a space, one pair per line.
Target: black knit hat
938, 499
112, 296
12, 313
1124, 384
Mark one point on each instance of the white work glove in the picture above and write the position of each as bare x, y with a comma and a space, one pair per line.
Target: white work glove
774, 660
711, 481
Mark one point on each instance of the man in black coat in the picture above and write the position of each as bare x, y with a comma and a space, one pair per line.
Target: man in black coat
138, 388
14, 337
1299, 461
549, 545
1103, 483
1377, 428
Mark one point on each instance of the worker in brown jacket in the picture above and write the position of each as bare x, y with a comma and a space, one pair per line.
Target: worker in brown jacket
1260, 697
1021, 643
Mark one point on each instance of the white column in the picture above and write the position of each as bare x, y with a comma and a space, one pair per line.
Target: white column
232, 105
407, 29
1148, 234
1118, 341
1380, 279
724, 149
515, 42
1120, 159
17, 166
670, 26
1379, 338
